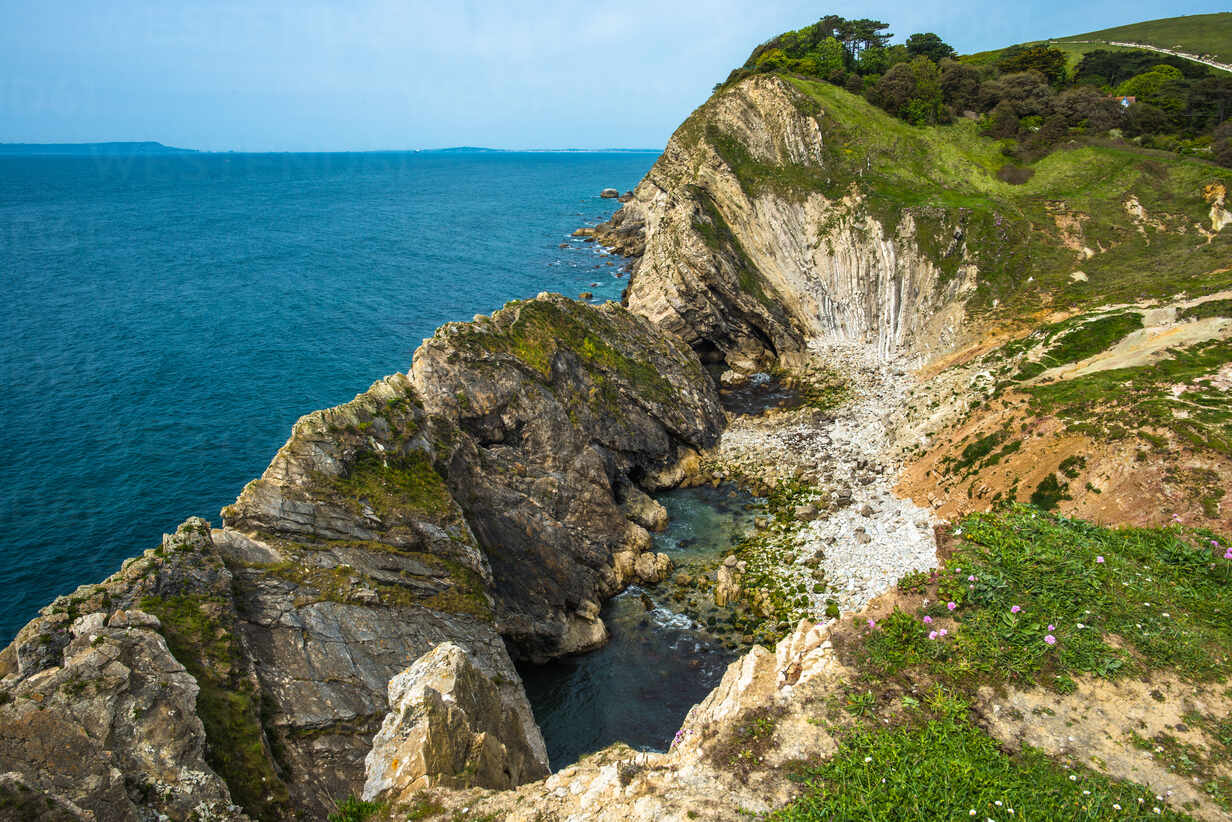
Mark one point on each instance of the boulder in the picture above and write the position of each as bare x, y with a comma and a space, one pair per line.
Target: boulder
727, 583
652, 568
609, 194
447, 726
642, 509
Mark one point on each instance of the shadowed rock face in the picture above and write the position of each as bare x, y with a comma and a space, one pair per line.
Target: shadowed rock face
564, 409
245, 669
753, 267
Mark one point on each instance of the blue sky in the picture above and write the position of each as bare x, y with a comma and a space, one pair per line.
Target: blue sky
268, 75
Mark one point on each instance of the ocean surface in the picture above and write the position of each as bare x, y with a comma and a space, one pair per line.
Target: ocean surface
166, 319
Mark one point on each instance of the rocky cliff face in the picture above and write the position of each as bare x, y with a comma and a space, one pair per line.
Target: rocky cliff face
564, 410
749, 244
494, 497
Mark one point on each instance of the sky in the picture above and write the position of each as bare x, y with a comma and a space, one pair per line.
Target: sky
303, 75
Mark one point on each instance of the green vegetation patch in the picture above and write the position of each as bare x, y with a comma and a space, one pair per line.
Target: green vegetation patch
397, 483
541, 329
949, 769
1091, 338
1050, 493
1210, 308
1038, 598
1111, 404
945, 177
353, 809
1193, 33
228, 704
453, 588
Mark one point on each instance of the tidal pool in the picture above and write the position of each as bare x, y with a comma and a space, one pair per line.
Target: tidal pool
659, 662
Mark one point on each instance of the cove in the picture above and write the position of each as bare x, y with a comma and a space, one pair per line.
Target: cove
659, 661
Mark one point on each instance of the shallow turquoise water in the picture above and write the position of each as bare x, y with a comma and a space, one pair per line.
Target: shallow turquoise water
166, 319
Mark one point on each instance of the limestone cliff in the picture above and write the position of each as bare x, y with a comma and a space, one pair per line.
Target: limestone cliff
749, 243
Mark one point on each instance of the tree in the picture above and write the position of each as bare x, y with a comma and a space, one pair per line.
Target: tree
830, 57
1149, 82
1003, 122
1027, 91
960, 85
912, 91
929, 45
1223, 143
773, 60
880, 59
1144, 118
1048, 61
859, 35
1089, 108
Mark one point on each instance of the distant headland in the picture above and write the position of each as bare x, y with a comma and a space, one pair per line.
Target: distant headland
89, 149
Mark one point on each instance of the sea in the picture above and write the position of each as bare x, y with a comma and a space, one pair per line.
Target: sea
167, 318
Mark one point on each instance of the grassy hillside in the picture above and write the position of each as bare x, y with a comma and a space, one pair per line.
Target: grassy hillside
1026, 258
1196, 34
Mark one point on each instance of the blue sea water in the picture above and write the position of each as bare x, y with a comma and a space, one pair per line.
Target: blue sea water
166, 319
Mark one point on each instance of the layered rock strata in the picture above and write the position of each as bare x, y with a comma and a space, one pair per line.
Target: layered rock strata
742, 254
491, 500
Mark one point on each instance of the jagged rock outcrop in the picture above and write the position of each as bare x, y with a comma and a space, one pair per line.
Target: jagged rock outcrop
562, 408
748, 244
243, 672
99, 718
447, 725
352, 560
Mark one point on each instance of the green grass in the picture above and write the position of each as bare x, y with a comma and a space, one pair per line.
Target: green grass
352, 809
1109, 404
1163, 592
1090, 338
946, 768
1210, 308
407, 482
1195, 33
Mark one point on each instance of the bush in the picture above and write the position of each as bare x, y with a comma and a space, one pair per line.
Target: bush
1015, 175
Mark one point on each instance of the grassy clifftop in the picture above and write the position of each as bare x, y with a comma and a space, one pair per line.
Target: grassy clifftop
1133, 221
1195, 33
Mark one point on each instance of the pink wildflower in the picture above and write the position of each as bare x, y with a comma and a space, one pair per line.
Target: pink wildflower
928, 620
1099, 560
951, 605
872, 623
932, 634
1052, 627
971, 578
1050, 639
942, 632
1015, 609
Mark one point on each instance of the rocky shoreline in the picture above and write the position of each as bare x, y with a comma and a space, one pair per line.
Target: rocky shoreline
351, 628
